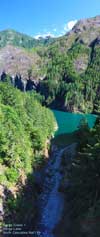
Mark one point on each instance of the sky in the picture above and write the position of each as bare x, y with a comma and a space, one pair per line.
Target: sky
45, 17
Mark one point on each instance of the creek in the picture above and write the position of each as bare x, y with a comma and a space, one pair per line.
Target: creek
51, 201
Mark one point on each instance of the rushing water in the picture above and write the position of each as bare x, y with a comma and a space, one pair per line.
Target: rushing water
51, 201
49, 215
69, 122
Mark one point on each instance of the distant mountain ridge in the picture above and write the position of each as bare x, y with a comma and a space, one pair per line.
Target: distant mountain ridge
86, 29
66, 70
15, 38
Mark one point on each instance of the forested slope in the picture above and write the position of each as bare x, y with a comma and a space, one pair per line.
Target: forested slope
25, 128
65, 70
81, 184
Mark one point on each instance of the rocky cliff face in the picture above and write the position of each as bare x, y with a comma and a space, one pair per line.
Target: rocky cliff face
87, 30
58, 67
87, 24
15, 60
19, 58
22, 66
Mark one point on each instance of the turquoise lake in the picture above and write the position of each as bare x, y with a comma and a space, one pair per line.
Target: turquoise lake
69, 122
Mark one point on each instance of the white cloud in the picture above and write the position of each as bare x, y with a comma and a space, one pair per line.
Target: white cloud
36, 36
70, 25
48, 34
56, 32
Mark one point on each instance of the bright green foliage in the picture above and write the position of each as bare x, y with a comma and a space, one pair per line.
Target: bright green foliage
12, 175
25, 125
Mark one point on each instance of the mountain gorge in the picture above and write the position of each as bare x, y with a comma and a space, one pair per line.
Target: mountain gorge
50, 182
